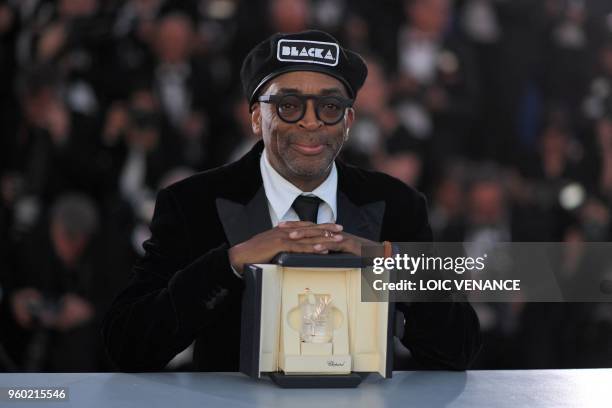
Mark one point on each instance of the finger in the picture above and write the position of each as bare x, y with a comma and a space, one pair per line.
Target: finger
304, 248
328, 226
321, 239
311, 233
294, 224
346, 245
315, 229
328, 246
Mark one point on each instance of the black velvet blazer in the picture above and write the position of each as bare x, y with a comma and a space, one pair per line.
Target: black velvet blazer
183, 289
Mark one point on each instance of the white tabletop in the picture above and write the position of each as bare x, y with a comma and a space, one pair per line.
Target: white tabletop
520, 388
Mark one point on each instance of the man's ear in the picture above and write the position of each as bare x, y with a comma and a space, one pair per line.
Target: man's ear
256, 119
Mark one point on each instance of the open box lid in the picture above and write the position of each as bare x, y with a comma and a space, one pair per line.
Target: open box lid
261, 315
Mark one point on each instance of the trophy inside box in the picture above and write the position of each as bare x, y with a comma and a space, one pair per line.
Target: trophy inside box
304, 323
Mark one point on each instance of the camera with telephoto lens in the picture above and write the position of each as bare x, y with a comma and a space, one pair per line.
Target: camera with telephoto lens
46, 307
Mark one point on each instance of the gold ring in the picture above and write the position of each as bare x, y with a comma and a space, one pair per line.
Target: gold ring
327, 234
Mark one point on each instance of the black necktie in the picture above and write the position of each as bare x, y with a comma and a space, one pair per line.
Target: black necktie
307, 208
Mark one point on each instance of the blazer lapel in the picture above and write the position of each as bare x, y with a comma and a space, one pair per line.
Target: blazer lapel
364, 221
244, 212
243, 221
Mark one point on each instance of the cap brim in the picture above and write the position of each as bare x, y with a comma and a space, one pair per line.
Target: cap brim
300, 67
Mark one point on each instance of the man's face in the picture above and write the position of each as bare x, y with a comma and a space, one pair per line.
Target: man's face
68, 247
306, 149
430, 16
174, 38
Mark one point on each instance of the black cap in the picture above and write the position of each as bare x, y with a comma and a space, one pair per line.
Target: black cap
310, 50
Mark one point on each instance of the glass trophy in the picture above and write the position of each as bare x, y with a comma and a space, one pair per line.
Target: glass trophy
317, 322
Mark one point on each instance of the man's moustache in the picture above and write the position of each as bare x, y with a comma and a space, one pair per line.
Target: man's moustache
313, 139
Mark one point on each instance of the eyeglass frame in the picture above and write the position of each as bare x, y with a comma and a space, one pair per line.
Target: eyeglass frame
275, 99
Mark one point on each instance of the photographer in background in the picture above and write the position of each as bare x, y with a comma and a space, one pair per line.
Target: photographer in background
54, 294
138, 146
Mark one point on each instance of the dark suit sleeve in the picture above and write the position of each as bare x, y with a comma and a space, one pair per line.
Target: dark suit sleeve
440, 335
171, 298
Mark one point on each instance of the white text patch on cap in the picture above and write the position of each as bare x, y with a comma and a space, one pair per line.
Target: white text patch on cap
311, 52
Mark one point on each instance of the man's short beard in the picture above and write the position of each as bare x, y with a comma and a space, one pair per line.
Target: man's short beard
307, 172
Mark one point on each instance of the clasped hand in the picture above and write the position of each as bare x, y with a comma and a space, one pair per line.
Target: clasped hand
295, 236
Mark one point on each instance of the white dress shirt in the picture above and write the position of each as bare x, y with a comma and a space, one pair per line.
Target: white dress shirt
281, 194
132, 178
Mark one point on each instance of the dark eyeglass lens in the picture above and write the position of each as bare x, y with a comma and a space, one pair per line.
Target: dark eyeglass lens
290, 107
330, 109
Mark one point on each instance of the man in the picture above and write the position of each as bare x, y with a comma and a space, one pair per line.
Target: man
189, 286
55, 297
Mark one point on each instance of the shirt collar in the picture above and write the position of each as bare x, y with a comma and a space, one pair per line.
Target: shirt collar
281, 193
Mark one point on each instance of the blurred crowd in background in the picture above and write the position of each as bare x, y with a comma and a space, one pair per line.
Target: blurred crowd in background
500, 111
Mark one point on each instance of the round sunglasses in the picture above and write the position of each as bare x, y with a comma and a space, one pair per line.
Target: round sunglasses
291, 108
